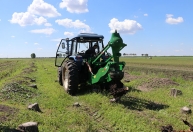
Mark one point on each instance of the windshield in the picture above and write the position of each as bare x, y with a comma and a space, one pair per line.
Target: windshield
83, 46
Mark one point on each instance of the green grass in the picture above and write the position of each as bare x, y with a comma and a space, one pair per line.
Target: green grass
177, 61
137, 111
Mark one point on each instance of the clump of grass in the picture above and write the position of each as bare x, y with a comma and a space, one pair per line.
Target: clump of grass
17, 92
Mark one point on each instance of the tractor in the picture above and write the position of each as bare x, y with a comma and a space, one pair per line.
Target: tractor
103, 70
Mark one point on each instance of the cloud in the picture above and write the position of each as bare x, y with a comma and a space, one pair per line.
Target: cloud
48, 24
68, 34
75, 6
35, 14
25, 18
13, 36
48, 31
36, 44
26, 42
171, 20
0, 19
77, 24
126, 26
41, 8
145, 14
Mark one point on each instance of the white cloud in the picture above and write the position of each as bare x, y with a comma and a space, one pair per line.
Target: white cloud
77, 24
34, 14
48, 24
13, 36
68, 34
75, 6
36, 44
0, 19
24, 19
171, 20
26, 42
48, 31
126, 26
145, 14
41, 8
40, 20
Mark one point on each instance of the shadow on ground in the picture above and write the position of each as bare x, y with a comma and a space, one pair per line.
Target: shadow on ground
134, 103
7, 129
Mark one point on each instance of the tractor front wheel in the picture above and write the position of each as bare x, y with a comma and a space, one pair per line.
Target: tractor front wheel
70, 77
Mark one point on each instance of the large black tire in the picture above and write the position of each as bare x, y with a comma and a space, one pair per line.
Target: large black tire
60, 76
70, 77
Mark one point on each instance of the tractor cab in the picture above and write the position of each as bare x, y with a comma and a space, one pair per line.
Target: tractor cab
75, 48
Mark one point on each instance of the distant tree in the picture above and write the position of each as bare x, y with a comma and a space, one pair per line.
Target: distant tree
146, 55
33, 55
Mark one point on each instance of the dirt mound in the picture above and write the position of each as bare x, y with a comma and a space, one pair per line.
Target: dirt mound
149, 83
30, 69
6, 112
156, 83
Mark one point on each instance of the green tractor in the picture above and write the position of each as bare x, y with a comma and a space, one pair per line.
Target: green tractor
78, 65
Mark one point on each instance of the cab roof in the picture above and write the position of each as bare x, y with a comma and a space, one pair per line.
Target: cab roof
88, 36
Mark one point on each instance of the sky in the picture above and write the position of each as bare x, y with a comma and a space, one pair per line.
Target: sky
154, 27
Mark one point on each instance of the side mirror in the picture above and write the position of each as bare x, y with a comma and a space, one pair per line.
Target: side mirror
63, 45
67, 52
59, 55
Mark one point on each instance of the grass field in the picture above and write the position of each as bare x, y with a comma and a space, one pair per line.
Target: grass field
146, 107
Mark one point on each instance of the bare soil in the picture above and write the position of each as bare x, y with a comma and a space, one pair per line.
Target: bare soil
156, 83
6, 112
150, 83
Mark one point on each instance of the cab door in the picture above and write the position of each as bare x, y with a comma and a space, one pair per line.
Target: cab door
61, 53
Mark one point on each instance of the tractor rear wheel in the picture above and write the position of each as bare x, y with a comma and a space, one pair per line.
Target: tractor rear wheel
60, 76
70, 77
